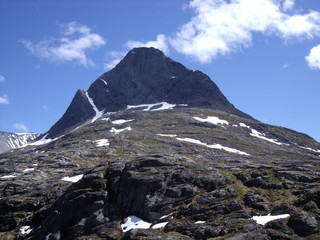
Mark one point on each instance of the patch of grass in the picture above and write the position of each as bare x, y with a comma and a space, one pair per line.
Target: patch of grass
104, 170
275, 196
229, 174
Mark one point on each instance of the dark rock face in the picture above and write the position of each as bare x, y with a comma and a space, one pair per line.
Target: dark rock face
78, 112
144, 76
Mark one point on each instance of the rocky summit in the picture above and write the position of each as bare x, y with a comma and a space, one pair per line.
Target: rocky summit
135, 158
144, 76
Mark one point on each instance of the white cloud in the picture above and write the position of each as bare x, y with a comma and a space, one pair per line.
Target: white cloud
313, 58
4, 99
73, 46
220, 26
21, 127
45, 107
113, 58
2, 78
287, 5
159, 43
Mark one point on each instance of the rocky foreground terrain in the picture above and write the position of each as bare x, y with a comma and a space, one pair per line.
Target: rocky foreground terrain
182, 174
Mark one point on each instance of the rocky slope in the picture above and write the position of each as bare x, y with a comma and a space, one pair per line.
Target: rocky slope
10, 141
187, 173
147, 153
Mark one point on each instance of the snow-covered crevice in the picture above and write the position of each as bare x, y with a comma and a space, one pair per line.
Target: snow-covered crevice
98, 113
262, 220
104, 81
214, 146
260, 135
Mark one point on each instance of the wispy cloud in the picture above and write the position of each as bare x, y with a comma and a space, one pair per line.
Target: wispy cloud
21, 127
72, 46
45, 107
313, 58
2, 78
4, 99
220, 27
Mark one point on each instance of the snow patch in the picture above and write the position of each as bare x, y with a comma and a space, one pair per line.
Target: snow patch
257, 134
98, 113
165, 216
167, 135
72, 179
121, 121
262, 220
159, 225
260, 135
43, 140
24, 230
117, 131
310, 149
200, 222
213, 120
133, 222
28, 170
164, 106
102, 143
214, 146
9, 176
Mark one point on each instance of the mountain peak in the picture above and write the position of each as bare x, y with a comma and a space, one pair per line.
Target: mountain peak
144, 76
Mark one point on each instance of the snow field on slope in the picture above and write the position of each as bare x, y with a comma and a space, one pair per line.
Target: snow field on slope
257, 134
164, 106
214, 146
213, 120
121, 121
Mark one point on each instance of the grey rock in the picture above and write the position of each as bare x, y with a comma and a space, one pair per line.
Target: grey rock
303, 224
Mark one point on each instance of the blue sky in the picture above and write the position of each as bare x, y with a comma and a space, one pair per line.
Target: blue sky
263, 54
